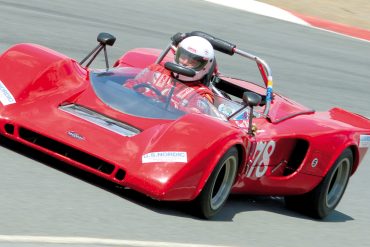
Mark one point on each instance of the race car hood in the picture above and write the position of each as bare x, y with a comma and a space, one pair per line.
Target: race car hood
164, 159
167, 160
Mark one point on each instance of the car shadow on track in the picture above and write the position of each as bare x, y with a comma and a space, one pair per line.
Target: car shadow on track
236, 204
242, 203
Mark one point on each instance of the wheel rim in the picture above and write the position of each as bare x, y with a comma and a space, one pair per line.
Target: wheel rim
338, 183
223, 183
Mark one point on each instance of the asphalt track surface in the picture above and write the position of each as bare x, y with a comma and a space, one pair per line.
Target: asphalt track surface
40, 196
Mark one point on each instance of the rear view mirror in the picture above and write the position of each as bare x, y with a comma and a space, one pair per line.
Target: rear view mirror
251, 99
106, 39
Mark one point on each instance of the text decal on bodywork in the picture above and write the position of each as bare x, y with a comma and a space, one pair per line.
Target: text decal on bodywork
165, 157
364, 141
261, 158
6, 97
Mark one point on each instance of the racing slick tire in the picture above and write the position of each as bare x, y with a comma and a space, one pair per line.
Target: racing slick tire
217, 189
322, 200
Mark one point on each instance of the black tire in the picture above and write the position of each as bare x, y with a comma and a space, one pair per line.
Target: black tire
217, 189
322, 200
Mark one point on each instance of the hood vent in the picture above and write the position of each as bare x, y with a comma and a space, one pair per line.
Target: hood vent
100, 120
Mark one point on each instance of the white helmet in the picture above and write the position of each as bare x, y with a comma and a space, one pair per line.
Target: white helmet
196, 53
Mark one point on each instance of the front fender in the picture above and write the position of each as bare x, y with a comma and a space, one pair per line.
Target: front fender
31, 71
203, 139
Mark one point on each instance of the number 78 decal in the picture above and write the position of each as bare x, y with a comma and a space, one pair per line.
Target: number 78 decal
261, 158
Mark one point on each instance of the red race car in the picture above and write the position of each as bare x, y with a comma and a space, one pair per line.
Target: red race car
251, 140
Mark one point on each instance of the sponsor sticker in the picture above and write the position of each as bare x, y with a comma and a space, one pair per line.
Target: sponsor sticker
364, 141
165, 157
314, 162
75, 135
261, 159
6, 97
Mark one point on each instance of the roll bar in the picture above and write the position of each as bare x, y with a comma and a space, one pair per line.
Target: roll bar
266, 74
229, 49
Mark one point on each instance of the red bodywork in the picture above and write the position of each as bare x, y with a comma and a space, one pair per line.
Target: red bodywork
291, 151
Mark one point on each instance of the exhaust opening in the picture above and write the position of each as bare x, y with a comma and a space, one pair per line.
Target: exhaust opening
120, 175
9, 128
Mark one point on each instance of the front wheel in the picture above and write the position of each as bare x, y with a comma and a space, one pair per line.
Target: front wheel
326, 196
219, 184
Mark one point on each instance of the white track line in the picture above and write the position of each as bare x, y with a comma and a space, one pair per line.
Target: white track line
260, 9
274, 12
92, 241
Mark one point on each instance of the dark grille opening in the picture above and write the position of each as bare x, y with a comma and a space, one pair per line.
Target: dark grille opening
9, 128
66, 151
120, 175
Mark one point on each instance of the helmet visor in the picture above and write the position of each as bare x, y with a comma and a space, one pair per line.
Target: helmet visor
190, 60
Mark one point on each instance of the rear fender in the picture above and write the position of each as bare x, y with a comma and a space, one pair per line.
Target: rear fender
359, 122
318, 162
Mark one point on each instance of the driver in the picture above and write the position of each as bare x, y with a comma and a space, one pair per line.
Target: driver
193, 52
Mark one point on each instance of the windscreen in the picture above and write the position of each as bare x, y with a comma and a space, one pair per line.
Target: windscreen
149, 94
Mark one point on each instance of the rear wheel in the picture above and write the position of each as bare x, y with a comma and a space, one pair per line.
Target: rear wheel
219, 184
326, 196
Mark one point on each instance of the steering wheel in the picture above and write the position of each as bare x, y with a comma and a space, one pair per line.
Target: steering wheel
153, 89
